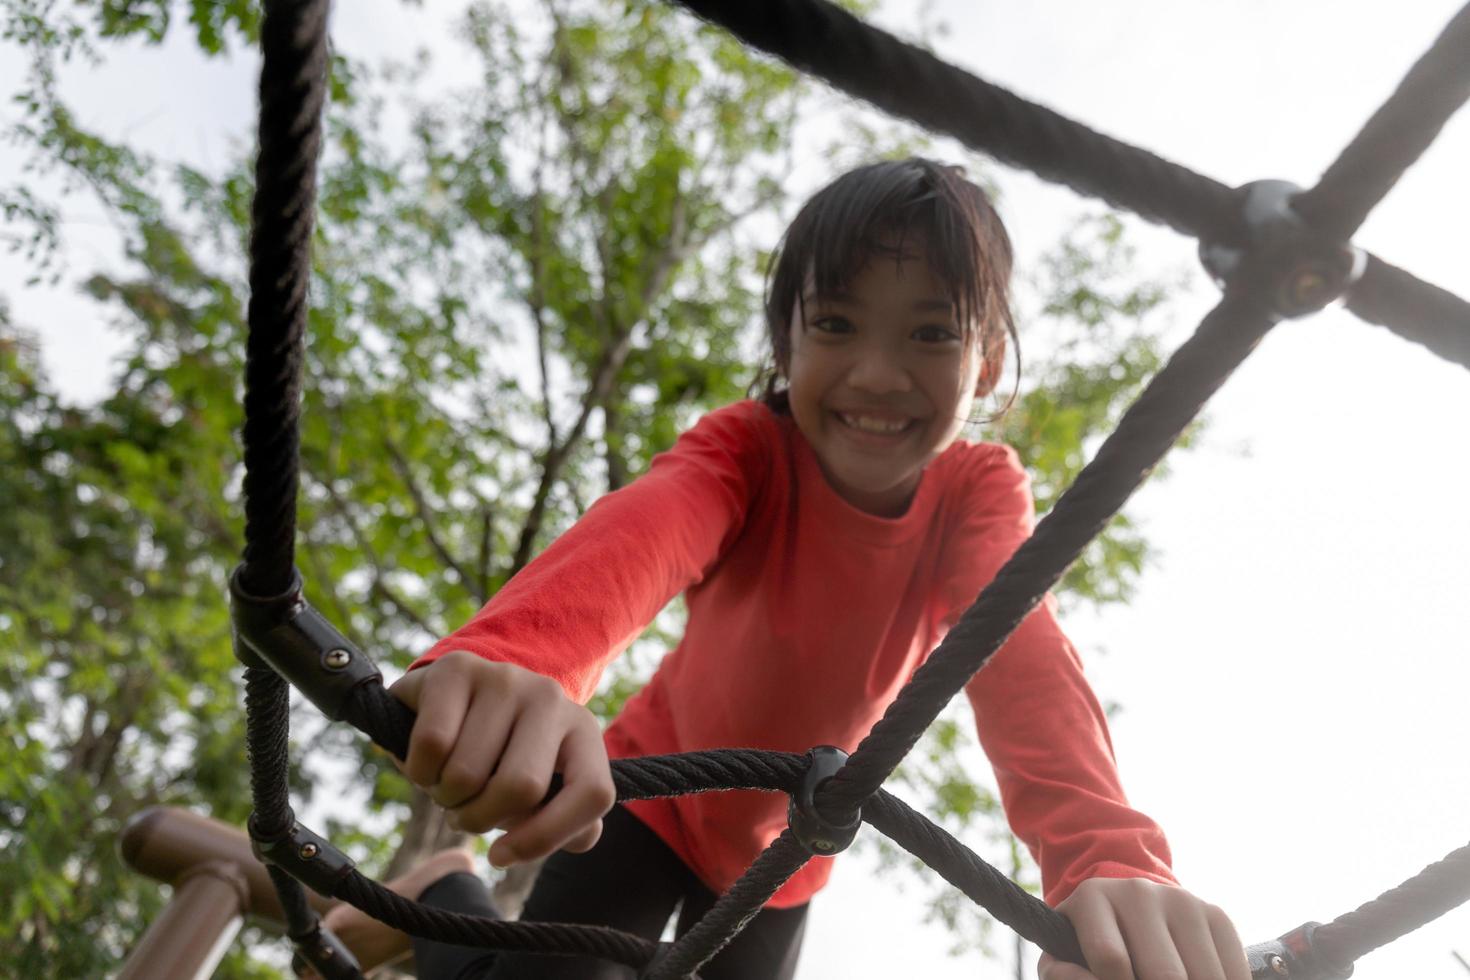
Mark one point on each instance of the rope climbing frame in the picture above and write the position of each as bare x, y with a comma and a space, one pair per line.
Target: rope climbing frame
1278, 251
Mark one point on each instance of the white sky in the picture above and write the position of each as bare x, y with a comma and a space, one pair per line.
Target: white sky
1293, 671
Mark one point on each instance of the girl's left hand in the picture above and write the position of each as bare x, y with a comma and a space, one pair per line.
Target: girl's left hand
1135, 928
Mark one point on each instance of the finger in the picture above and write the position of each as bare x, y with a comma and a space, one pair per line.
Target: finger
1102, 940
573, 818
1051, 968
441, 709
477, 751
1194, 942
1151, 948
522, 774
588, 786
1227, 941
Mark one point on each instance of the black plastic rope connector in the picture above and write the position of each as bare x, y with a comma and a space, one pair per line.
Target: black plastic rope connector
326, 954
1312, 271
812, 830
303, 854
1293, 957
285, 633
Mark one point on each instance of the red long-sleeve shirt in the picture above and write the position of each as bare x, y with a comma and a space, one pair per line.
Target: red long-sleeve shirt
806, 616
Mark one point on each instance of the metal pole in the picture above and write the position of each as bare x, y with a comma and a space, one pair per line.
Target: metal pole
189, 939
217, 881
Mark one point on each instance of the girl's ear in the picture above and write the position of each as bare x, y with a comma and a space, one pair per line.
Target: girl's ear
985, 382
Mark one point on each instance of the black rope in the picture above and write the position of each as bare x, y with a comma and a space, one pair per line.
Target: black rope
1125, 459
267, 717
292, 91
824, 40
986, 886
550, 938
1394, 137
1431, 893
1415, 310
267, 714
733, 910
821, 39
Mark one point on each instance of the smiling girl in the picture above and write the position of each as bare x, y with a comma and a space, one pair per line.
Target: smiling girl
826, 536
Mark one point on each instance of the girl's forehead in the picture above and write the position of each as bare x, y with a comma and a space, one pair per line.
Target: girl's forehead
909, 271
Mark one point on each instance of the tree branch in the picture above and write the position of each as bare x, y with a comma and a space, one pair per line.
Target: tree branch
421, 508
614, 355
487, 546
379, 584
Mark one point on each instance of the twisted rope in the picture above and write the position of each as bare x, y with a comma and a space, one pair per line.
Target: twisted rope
824, 40
1394, 137
292, 91
1415, 310
733, 910
1145, 433
549, 938
1431, 893
267, 720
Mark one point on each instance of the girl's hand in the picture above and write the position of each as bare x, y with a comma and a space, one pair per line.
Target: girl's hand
1133, 927
487, 740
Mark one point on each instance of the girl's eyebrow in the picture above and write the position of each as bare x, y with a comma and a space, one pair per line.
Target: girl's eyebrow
935, 305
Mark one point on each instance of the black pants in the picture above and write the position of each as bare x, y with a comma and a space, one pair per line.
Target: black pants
630, 881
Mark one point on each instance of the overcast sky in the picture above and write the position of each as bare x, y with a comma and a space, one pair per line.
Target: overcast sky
1293, 671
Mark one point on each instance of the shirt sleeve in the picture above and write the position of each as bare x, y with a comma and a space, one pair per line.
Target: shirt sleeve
584, 599
1039, 722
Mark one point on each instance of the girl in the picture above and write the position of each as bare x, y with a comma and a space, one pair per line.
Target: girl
826, 536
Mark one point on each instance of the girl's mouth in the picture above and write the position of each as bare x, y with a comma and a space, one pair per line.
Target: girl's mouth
875, 426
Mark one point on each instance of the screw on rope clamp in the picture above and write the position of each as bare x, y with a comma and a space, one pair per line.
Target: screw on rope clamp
1293, 957
1309, 272
321, 950
303, 854
812, 830
297, 642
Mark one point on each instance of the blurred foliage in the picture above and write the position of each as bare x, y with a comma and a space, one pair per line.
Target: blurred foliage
521, 293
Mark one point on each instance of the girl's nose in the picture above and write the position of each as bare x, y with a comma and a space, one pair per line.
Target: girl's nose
878, 372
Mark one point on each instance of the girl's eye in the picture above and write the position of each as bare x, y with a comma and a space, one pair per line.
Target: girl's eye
831, 325
934, 333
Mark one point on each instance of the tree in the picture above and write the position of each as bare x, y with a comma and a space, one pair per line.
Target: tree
516, 302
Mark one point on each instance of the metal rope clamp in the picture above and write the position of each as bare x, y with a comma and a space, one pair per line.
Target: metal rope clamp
323, 952
1310, 272
811, 829
1293, 957
297, 642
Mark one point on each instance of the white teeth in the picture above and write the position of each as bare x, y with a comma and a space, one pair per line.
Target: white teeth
869, 424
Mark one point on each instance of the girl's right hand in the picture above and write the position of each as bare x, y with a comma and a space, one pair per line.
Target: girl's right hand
487, 740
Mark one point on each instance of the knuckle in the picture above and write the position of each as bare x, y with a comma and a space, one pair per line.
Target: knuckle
602, 795
432, 740
545, 691
460, 779
520, 789
475, 822
1109, 960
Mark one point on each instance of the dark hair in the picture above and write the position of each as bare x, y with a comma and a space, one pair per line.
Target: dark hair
872, 212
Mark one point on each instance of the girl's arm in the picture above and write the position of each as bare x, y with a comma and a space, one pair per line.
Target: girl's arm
1104, 865
1039, 721
587, 596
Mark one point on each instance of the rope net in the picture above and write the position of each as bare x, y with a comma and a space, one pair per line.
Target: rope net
1287, 261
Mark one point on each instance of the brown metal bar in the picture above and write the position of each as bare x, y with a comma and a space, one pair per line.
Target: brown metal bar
189, 939
217, 881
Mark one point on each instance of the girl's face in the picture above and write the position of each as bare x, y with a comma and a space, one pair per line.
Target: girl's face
881, 380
